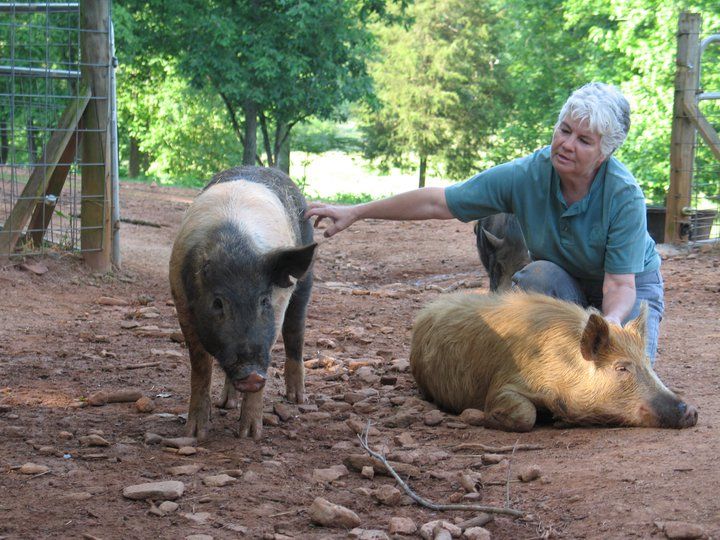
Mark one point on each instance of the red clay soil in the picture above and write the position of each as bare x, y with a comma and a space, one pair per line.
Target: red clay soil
60, 343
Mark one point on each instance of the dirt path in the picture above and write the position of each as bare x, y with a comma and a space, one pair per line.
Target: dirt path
59, 344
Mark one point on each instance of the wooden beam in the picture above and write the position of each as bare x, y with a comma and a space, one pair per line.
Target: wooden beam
95, 206
45, 208
703, 126
682, 147
41, 174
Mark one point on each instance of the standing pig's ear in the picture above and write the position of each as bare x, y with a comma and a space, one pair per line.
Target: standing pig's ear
639, 324
595, 338
294, 262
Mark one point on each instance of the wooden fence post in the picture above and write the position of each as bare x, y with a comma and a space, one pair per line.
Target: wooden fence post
95, 208
682, 147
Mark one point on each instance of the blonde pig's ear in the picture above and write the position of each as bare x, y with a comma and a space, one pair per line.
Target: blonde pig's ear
595, 339
639, 324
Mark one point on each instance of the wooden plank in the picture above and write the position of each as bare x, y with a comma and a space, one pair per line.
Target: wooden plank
45, 208
39, 178
95, 206
682, 147
707, 132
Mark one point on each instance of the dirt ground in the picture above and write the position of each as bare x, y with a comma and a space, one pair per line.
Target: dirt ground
60, 342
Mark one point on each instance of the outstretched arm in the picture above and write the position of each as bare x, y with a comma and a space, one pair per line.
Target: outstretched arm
618, 296
424, 203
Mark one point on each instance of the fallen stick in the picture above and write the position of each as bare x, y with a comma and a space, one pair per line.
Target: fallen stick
507, 480
103, 397
497, 449
423, 502
477, 521
141, 366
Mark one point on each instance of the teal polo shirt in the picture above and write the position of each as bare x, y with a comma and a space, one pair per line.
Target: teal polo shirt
605, 232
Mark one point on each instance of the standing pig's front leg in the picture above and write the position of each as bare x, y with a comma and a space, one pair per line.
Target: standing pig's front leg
200, 378
293, 332
228, 398
509, 410
251, 415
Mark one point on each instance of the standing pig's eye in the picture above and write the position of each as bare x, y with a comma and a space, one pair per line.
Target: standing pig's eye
265, 301
217, 306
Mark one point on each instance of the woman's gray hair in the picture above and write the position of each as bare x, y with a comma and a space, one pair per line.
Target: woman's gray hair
605, 109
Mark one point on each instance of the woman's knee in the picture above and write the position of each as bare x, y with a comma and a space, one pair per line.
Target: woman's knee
548, 278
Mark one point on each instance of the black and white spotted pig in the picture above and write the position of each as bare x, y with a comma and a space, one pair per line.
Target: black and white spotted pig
240, 272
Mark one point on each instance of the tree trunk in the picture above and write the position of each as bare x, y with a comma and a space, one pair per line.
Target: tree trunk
423, 170
32, 141
283, 152
4, 142
250, 137
134, 158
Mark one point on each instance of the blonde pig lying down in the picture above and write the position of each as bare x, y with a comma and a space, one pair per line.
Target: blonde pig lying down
513, 353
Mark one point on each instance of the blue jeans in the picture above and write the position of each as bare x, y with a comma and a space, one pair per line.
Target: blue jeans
548, 278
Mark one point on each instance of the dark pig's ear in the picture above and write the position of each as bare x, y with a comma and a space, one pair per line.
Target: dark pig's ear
294, 262
639, 324
595, 338
494, 240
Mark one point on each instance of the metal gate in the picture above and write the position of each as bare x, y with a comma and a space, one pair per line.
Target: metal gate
694, 194
58, 152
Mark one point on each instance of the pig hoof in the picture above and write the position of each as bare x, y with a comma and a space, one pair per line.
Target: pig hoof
227, 403
250, 430
199, 430
295, 396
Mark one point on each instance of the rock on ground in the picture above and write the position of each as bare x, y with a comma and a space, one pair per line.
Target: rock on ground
169, 490
323, 512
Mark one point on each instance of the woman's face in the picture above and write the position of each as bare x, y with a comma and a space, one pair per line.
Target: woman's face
575, 150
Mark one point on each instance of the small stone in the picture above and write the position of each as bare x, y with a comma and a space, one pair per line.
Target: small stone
387, 495
219, 480
323, 512
354, 397
250, 477
179, 442
46, 450
318, 416
270, 419
168, 507
368, 472
476, 533
199, 537
93, 440
187, 451
430, 529
182, 470
368, 534
400, 365
433, 418
285, 411
492, 459
402, 419
359, 426
33, 468
473, 417
683, 530
330, 474
405, 440
152, 438
401, 525
145, 405
388, 380
64, 435
530, 473
367, 375
170, 490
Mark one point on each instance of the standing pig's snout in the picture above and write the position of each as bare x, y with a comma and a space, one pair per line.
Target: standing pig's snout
252, 383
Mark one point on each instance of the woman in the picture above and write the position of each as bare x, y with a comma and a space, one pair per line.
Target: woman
582, 213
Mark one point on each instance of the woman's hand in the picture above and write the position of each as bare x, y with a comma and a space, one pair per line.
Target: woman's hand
341, 217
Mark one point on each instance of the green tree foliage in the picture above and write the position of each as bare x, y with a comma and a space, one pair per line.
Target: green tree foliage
276, 62
440, 89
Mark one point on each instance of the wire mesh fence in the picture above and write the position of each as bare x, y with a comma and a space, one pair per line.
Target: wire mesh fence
40, 83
